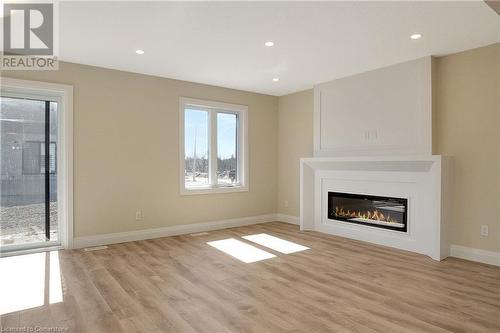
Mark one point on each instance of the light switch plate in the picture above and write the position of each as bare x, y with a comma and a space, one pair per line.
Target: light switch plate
484, 230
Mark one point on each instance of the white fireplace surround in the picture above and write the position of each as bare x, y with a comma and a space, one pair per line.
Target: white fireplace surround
423, 180
373, 136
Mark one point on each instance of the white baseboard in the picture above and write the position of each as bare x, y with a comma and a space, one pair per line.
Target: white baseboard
469, 253
288, 219
457, 251
128, 236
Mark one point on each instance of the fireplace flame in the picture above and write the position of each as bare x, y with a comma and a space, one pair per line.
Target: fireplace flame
371, 215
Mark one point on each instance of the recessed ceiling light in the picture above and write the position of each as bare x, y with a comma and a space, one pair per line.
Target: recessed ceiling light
139, 51
416, 36
269, 43
276, 79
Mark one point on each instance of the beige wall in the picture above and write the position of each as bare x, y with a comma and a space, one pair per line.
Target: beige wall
126, 148
467, 125
467, 117
295, 135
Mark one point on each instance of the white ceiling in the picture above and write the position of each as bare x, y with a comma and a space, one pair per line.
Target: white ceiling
223, 43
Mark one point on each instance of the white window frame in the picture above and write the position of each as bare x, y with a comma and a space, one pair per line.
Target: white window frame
63, 95
242, 149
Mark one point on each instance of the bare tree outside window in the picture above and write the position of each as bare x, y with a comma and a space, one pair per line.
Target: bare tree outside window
196, 148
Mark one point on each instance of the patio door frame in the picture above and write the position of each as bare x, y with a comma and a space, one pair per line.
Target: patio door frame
63, 95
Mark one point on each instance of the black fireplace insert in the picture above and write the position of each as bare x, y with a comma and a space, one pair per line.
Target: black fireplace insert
375, 211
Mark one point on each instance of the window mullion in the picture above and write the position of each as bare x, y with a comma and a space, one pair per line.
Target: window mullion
213, 148
239, 159
47, 170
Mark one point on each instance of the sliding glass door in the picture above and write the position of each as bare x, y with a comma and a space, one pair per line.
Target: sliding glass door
28, 190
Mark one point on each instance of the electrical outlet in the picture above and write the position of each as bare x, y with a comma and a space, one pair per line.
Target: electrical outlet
138, 215
484, 230
286, 203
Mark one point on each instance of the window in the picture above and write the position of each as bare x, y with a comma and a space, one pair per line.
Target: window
34, 158
36, 123
213, 147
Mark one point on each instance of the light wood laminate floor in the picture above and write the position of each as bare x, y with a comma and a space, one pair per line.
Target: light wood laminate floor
181, 284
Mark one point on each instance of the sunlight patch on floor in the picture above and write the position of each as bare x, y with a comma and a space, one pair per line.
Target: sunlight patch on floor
55, 285
29, 281
276, 243
240, 250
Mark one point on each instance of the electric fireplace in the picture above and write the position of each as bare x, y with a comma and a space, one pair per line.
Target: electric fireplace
374, 211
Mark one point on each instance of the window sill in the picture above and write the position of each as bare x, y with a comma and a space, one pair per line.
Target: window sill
20, 249
213, 190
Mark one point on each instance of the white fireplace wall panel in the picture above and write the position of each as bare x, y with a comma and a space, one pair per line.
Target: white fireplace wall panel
386, 111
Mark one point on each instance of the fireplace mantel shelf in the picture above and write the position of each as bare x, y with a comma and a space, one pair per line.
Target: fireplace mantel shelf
373, 163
